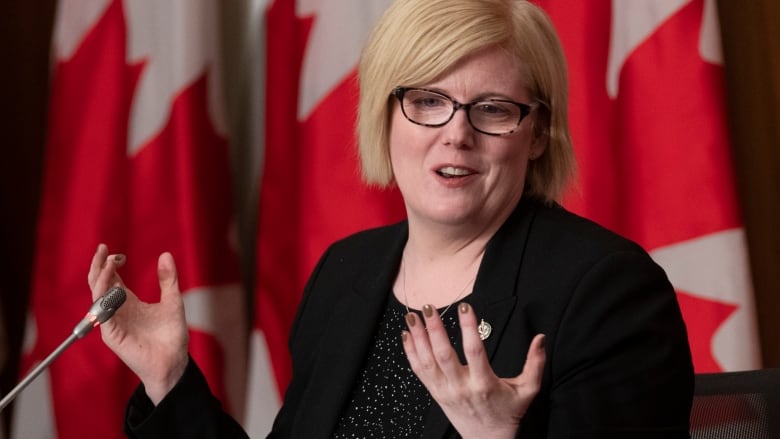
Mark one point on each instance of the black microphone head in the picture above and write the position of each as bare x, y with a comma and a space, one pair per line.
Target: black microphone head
101, 310
114, 298
107, 304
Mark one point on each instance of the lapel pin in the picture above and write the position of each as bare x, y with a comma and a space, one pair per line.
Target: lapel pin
484, 330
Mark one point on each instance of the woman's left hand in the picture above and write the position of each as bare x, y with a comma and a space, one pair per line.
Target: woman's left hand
477, 402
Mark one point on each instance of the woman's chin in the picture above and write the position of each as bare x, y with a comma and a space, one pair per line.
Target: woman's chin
450, 215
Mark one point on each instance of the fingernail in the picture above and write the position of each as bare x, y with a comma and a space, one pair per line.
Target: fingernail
427, 310
464, 307
120, 258
542, 343
404, 336
410, 320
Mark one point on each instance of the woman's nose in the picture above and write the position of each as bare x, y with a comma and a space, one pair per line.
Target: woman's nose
458, 131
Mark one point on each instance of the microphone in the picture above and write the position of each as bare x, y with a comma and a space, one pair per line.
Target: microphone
100, 311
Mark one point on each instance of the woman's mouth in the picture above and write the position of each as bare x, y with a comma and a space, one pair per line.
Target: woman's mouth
453, 172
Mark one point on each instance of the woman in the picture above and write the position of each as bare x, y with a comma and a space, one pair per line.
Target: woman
491, 312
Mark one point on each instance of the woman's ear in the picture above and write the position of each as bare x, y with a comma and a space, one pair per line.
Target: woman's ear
541, 123
539, 139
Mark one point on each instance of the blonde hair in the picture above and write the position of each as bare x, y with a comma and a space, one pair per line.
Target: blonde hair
416, 41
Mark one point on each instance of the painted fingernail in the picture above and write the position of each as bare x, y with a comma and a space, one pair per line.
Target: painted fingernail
427, 310
464, 307
410, 320
120, 258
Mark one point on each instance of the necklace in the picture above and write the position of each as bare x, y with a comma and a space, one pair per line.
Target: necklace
458, 297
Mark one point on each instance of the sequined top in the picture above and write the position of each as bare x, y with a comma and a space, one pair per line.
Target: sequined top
388, 400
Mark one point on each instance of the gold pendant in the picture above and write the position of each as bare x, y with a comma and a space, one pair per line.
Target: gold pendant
484, 330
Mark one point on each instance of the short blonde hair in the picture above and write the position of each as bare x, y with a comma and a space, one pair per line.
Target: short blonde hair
417, 41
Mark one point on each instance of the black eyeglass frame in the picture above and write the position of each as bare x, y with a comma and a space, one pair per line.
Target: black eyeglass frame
525, 109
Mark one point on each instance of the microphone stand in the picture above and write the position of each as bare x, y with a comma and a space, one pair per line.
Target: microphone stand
37, 371
100, 311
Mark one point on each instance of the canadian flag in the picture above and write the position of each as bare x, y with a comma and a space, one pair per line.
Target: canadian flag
647, 111
136, 157
311, 193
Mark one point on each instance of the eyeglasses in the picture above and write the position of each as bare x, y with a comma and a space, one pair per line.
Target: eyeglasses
429, 108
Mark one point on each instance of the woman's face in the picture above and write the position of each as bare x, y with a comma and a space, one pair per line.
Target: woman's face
454, 175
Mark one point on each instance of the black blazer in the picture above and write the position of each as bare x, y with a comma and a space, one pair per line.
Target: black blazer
618, 361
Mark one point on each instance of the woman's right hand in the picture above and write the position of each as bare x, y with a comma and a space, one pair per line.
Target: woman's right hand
150, 338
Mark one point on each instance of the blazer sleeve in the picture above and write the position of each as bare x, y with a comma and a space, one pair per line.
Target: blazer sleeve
301, 350
188, 411
620, 361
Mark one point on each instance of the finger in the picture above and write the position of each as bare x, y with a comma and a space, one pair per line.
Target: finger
473, 348
443, 352
533, 369
423, 363
98, 260
107, 277
410, 350
119, 259
168, 278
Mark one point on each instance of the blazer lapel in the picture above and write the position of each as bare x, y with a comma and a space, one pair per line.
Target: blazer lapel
496, 290
349, 334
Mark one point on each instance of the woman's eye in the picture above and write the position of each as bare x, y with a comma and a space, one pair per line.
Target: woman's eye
429, 102
488, 108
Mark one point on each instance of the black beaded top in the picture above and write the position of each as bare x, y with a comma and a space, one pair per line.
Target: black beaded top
388, 400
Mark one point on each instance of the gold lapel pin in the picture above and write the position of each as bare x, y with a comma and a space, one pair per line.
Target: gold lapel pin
484, 330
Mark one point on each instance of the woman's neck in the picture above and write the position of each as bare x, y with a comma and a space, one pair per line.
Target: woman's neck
437, 271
